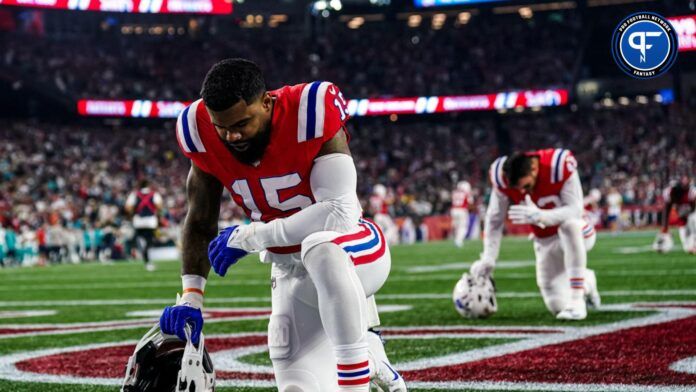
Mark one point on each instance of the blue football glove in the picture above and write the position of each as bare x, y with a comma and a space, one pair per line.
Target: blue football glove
175, 318
221, 256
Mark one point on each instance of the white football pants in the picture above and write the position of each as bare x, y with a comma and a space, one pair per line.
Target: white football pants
460, 225
551, 264
302, 354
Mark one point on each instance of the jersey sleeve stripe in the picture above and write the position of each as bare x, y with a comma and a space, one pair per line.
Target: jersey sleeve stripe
320, 109
311, 112
180, 132
312, 104
186, 132
497, 173
193, 127
302, 114
561, 165
556, 165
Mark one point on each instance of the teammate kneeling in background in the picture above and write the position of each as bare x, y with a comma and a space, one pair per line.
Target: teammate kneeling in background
542, 189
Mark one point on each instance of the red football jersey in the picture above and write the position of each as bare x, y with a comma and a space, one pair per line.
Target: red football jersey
683, 199
460, 199
378, 205
555, 167
305, 116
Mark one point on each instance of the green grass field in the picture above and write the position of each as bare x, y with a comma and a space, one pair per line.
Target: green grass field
422, 278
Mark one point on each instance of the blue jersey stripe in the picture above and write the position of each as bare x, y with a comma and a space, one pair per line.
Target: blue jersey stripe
367, 245
495, 174
187, 131
312, 110
354, 374
556, 173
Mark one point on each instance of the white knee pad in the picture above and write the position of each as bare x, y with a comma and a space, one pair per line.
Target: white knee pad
280, 337
554, 299
554, 289
303, 360
297, 381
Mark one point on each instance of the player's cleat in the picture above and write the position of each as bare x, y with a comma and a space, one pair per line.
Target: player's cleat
592, 297
576, 310
384, 378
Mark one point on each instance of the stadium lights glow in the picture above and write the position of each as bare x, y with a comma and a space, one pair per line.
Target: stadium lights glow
277, 19
624, 101
320, 5
642, 99
657, 98
414, 20
356, 22
336, 5
464, 17
526, 12
438, 21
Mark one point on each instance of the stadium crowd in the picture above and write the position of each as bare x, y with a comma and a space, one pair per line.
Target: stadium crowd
63, 186
386, 58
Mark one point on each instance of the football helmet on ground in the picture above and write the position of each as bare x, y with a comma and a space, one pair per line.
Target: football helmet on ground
164, 363
474, 296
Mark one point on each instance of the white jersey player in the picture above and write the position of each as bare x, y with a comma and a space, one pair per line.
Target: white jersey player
542, 189
461, 201
614, 202
379, 205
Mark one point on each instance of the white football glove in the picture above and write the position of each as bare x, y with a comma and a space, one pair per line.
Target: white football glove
482, 267
527, 213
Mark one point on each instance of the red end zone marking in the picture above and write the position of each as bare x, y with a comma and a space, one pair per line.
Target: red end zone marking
639, 355
666, 306
11, 331
101, 362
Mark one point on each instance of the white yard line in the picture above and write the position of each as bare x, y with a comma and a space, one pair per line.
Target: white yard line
540, 386
131, 285
419, 296
463, 266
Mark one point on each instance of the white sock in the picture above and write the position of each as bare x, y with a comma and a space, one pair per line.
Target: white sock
574, 256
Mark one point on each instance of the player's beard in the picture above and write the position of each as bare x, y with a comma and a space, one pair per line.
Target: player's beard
255, 149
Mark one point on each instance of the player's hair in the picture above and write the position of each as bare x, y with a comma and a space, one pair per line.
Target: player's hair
517, 166
230, 81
